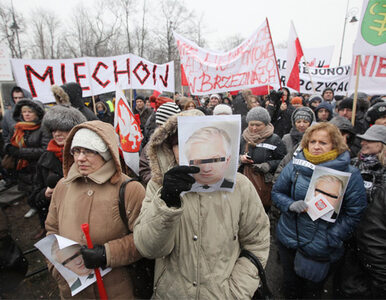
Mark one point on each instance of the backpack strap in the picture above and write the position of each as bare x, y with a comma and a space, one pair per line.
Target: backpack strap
121, 203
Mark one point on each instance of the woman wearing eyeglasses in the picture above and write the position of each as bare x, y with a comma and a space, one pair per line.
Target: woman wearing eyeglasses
310, 250
89, 193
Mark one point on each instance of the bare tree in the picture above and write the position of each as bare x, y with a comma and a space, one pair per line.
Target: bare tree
11, 28
231, 42
45, 34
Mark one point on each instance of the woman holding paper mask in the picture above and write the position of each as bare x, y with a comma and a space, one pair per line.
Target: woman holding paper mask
309, 250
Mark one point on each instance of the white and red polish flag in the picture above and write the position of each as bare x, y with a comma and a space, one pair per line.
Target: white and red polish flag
294, 54
128, 131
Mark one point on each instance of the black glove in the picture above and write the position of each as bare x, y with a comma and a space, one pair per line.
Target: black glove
13, 151
95, 257
276, 97
176, 181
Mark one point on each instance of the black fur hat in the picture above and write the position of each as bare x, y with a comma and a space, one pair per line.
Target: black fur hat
36, 105
62, 118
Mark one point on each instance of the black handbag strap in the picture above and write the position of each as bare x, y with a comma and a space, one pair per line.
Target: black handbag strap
121, 203
264, 284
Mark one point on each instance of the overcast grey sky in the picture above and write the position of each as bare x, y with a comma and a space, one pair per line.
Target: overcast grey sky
317, 22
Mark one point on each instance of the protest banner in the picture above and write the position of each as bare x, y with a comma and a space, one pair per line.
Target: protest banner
336, 78
250, 64
370, 46
96, 75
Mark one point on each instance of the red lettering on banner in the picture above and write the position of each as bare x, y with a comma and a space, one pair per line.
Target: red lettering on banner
95, 73
145, 69
205, 81
79, 76
29, 71
373, 66
154, 75
165, 80
363, 65
127, 71
63, 73
381, 72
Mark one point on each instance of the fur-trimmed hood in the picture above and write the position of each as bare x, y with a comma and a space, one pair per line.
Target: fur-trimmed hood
62, 118
36, 105
161, 157
68, 94
106, 132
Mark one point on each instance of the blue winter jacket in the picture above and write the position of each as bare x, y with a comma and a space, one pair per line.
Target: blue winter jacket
318, 239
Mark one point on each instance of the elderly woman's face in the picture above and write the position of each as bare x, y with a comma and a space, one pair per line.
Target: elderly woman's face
370, 148
28, 114
87, 161
60, 136
320, 142
256, 126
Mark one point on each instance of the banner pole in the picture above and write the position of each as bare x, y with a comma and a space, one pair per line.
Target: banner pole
354, 105
309, 74
2, 105
93, 103
131, 98
274, 53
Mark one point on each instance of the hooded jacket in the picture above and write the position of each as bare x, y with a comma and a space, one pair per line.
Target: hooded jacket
197, 246
8, 121
105, 115
327, 106
36, 142
93, 199
70, 94
319, 238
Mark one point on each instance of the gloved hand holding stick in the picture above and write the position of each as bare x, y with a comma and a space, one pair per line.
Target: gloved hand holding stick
101, 287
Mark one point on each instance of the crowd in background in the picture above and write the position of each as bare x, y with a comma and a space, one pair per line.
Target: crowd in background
41, 145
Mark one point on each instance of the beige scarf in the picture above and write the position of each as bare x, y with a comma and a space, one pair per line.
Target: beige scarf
256, 138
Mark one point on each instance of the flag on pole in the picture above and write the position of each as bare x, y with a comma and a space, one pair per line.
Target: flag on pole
128, 131
184, 80
294, 54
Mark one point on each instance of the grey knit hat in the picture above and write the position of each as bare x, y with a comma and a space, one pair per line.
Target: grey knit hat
376, 133
258, 114
62, 118
304, 113
165, 111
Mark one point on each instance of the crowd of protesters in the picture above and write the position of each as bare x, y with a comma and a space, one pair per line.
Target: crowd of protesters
66, 161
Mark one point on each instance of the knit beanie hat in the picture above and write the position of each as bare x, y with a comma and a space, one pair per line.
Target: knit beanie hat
376, 112
346, 103
165, 111
303, 113
296, 100
89, 139
222, 109
258, 114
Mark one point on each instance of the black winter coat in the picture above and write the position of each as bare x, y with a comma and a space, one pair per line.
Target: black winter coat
48, 168
371, 232
281, 119
239, 106
272, 151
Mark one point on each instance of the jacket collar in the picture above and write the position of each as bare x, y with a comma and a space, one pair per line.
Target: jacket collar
100, 176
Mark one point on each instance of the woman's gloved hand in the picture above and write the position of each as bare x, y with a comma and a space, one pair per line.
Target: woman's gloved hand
262, 168
94, 257
176, 181
298, 206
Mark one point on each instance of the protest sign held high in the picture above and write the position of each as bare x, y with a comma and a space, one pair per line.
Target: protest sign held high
370, 46
96, 75
251, 64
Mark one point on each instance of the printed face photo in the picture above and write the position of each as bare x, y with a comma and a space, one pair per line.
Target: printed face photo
331, 189
71, 258
211, 156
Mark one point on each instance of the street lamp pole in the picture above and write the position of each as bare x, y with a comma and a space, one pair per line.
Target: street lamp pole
344, 31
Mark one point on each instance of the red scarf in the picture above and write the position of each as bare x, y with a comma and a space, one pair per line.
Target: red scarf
56, 149
17, 139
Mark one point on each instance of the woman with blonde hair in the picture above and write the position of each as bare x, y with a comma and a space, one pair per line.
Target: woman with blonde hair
190, 105
310, 250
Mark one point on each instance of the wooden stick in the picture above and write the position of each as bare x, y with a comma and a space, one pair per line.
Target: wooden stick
354, 105
131, 98
93, 103
309, 73
2, 105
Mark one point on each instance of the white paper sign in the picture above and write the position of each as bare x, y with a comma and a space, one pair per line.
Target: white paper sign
5, 64
65, 255
211, 143
318, 206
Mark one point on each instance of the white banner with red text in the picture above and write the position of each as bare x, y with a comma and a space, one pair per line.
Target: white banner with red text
251, 64
96, 75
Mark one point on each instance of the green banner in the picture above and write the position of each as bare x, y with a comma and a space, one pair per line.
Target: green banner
373, 27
